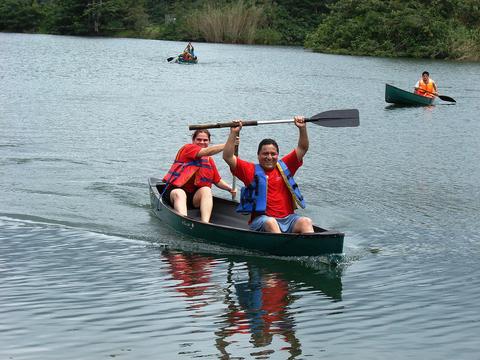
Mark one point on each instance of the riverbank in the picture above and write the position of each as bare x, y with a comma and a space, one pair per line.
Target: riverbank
386, 29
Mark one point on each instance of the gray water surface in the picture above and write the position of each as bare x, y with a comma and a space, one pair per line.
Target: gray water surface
87, 270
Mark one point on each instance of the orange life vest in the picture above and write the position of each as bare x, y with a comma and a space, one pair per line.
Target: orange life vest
180, 172
428, 87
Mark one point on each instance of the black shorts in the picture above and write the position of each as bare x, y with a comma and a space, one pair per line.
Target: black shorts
166, 197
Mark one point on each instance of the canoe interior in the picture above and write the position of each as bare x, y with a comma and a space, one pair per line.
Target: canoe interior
394, 95
181, 61
223, 213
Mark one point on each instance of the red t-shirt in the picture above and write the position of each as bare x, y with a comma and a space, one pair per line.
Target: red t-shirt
279, 198
189, 153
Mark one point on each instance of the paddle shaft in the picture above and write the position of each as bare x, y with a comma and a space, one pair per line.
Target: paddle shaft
331, 118
244, 123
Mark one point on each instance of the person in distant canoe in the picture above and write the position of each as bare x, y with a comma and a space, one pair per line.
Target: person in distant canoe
271, 195
426, 86
190, 178
186, 56
190, 50
188, 53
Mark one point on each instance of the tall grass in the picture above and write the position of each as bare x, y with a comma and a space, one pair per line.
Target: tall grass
235, 22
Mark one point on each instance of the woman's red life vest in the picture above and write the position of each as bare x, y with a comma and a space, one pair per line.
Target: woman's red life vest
180, 172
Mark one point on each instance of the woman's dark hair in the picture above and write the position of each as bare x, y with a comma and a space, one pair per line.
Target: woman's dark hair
425, 73
267, 142
199, 131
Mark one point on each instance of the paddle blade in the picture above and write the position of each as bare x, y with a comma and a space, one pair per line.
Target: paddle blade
446, 98
171, 58
337, 118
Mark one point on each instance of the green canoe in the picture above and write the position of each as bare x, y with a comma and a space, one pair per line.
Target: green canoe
181, 60
395, 95
229, 228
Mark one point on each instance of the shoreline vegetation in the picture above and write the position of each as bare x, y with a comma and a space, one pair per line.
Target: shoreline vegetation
435, 29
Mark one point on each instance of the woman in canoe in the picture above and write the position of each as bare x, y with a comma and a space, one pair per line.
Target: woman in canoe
190, 178
426, 86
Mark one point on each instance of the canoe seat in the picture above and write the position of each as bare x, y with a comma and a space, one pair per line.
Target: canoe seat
223, 214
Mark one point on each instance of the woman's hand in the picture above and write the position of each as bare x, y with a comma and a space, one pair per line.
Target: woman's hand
237, 126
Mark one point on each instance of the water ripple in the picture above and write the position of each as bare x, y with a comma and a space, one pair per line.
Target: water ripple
88, 271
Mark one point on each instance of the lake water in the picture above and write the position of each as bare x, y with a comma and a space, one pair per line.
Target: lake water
87, 270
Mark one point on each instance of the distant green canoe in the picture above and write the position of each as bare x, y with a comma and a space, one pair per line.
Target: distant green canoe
229, 228
181, 60
398, 96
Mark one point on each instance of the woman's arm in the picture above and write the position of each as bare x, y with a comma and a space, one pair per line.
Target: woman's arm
211, 150
224, 186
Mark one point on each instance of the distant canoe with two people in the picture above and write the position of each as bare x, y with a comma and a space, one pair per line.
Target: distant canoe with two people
186, 57
229, 228
181, 60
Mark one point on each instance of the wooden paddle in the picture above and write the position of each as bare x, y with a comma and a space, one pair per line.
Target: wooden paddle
331, 118
441, 97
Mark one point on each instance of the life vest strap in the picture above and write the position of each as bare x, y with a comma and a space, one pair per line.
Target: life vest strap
291, 184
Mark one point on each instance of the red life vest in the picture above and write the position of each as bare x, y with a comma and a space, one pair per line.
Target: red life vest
180, 172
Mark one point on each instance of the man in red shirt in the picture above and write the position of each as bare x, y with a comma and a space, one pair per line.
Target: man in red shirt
279, 215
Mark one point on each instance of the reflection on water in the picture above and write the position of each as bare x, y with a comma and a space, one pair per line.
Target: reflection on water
258, 307
403, 106
192, 273
257, 298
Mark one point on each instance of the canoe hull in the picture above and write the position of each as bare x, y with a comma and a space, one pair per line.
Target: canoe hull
230, 229
398, 96
186, 62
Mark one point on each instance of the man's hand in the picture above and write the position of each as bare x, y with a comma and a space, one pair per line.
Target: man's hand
300, 121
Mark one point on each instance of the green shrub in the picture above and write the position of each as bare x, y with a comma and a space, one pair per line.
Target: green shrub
268, 36
20, 15
386, 28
